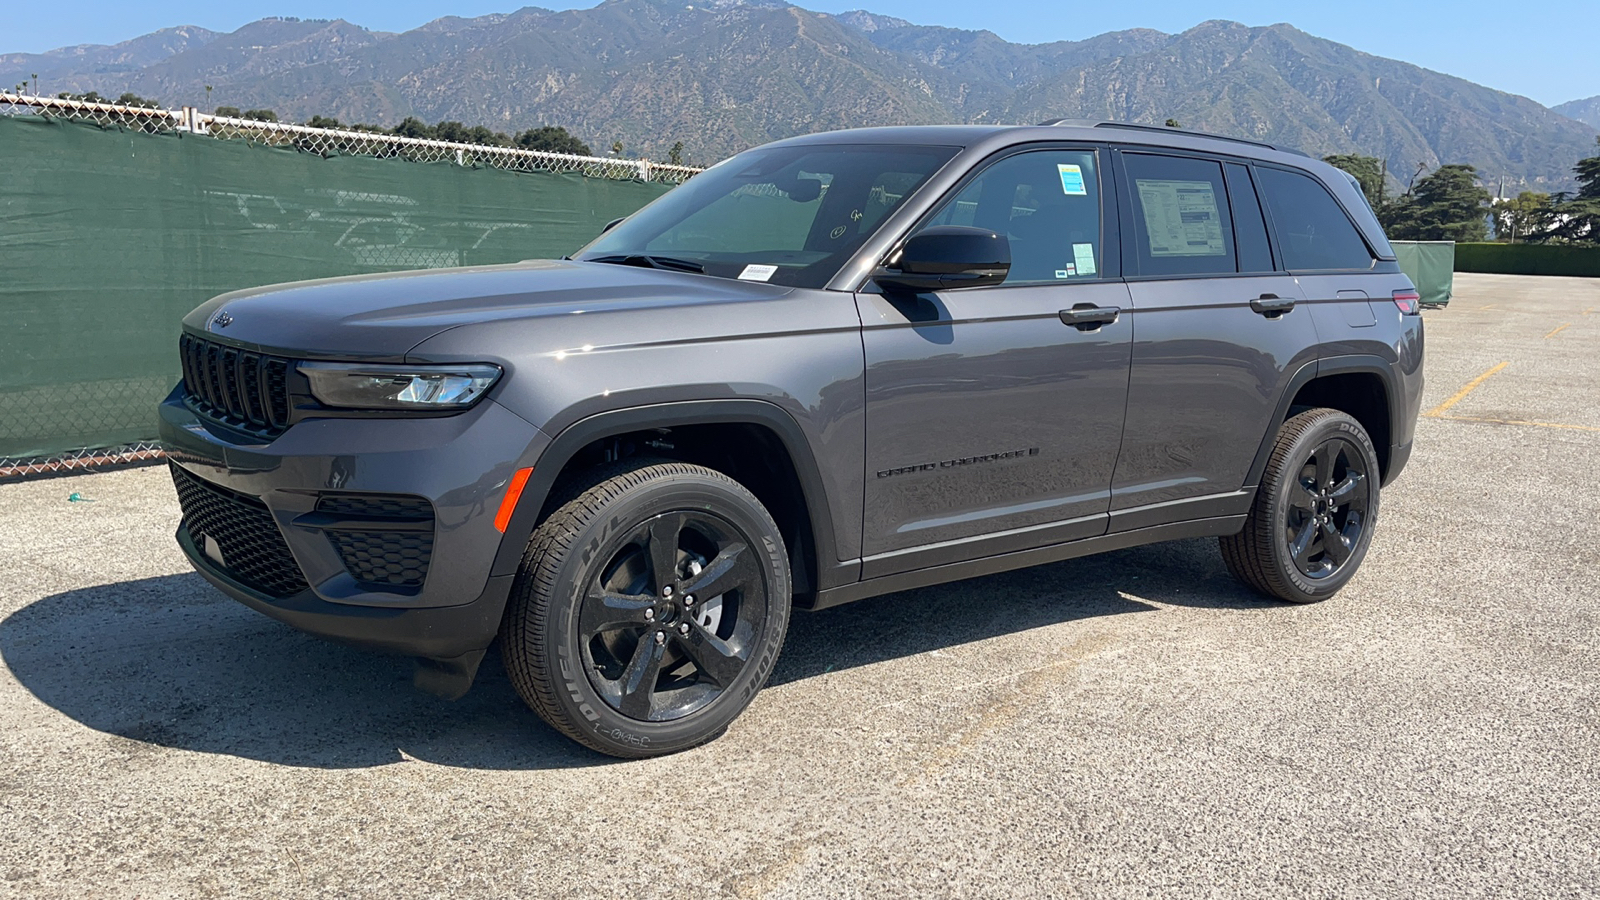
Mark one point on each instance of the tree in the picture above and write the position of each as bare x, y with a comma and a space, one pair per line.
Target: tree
261, 115
323, 122
1528, 216
132, 99
231, 112
1578, 218
552, 139
1368, 171
616, 148
1174, 123
675, 154
1448, 205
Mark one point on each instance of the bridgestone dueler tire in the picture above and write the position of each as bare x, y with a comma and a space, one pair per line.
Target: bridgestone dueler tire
1258, 555
540, 636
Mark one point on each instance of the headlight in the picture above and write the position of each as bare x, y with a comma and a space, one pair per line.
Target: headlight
360, 386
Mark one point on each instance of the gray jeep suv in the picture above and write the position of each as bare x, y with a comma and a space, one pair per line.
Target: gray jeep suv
828, 368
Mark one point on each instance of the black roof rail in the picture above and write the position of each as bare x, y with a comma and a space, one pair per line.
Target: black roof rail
1164, 129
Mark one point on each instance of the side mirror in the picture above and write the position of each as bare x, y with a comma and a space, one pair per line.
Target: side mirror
612, 224
948, 256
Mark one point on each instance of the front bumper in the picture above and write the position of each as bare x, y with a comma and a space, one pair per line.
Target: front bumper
459, 464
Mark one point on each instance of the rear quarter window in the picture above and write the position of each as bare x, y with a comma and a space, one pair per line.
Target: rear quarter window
1314, 232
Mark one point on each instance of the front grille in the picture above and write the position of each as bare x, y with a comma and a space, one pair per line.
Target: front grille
253, 550
379, 556
239, 388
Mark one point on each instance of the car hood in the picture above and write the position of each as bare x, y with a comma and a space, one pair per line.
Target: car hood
380, 317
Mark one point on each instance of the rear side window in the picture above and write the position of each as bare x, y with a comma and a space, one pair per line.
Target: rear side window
1249, 228
1313, 230
1180, 221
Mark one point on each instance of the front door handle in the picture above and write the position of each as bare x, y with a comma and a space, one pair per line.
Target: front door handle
1271, 305
1088, 317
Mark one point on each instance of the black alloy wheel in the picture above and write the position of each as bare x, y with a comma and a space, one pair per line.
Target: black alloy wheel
649, 608
1328, 508
1312, 518
670, 621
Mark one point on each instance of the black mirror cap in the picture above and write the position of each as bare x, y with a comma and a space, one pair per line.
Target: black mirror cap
949, 256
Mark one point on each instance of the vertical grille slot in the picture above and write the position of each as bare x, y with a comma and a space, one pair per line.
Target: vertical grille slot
238, 388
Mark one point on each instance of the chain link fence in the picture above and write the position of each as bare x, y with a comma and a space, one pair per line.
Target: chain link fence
338, 141
28, 417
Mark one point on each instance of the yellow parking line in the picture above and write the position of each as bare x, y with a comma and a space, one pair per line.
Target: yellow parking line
1557, 331
1438, 411
1589, 310
1488, 306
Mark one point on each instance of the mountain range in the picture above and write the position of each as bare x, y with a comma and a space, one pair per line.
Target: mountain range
1586, 111
724, 75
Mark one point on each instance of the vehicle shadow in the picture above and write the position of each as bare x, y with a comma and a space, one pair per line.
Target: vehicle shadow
169, 661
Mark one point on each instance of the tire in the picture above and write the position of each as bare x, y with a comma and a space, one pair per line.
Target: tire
1313, 516
649, 609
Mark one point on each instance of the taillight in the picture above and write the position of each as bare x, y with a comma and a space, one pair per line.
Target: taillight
1410, 302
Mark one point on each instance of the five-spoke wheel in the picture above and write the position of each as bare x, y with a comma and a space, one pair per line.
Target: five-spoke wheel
649, 609
1311, 521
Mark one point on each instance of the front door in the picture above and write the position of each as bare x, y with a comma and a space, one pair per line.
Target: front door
992, 423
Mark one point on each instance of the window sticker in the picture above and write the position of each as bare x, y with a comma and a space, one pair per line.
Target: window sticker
1083, 258
754, 272
1068, 272
1072, 180
1181, 217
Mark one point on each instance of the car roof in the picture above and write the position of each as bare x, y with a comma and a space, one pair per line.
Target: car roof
995, 136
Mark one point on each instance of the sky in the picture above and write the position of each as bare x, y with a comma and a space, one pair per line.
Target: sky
1543, 50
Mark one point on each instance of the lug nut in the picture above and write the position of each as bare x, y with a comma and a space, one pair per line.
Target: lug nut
666, 591
661, 637
649, 615
683, 628
688, 599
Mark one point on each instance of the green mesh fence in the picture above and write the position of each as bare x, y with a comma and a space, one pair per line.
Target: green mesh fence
107, 238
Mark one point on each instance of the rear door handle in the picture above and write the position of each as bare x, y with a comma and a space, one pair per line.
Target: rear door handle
1088, 317
1271, 305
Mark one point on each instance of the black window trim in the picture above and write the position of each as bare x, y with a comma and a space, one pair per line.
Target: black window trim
1261, 204
1272, 225
1109, 213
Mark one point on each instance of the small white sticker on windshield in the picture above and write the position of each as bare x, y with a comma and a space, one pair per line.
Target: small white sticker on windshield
757, 273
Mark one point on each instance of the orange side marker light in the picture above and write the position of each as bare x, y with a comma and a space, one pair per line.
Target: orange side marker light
513, 494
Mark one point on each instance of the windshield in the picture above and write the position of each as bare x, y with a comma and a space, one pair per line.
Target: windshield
785, 215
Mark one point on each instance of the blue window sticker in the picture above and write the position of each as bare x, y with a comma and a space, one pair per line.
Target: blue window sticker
1071, 180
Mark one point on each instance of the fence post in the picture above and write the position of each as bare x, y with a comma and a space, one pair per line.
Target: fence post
644, 169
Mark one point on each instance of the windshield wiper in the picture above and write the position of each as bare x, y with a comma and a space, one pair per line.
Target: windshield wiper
651, 262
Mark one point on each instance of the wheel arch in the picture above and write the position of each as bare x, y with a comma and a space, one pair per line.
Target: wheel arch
1363, 386
719, 430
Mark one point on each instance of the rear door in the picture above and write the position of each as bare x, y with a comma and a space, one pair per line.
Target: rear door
992, 424
1218, 331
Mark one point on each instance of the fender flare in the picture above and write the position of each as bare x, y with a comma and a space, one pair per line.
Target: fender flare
1319, 368
831, 572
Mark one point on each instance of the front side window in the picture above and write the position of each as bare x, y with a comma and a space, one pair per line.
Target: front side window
1313, 230
1181, 220
785, 215
1047, 204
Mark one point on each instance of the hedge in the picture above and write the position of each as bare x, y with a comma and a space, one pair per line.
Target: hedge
1529, 259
